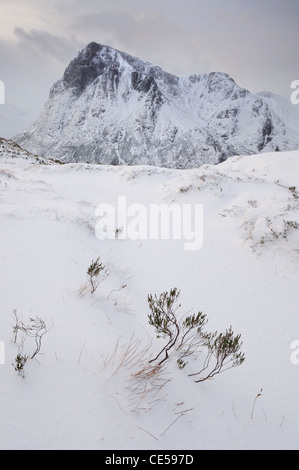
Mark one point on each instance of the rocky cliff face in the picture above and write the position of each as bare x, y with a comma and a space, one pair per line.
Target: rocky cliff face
112, 108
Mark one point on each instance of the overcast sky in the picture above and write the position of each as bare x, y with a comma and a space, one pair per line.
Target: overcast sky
254, 41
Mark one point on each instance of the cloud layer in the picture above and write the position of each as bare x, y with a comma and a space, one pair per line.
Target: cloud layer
254, 42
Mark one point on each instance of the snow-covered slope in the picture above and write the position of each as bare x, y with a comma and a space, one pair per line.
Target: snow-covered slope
9, 148
112, 108
80, 393
287, 112
13, 120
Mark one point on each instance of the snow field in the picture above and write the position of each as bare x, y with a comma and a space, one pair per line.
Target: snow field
76, 394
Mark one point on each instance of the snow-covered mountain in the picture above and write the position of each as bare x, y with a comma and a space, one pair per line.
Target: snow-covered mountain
112, 108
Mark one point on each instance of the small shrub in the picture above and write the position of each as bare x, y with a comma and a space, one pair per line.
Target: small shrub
96, 273
291, 224
35, 329
294, 192
19, 364
187, 338
223, 353
181, 364
164, 320
118, 232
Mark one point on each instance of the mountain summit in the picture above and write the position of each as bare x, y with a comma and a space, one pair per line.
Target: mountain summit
112, 108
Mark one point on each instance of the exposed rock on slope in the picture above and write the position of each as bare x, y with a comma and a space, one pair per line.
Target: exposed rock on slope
9, 149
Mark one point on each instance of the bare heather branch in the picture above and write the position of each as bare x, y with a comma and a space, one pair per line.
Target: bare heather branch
96, 273
36, 329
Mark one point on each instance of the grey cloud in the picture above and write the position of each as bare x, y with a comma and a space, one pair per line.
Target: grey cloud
255, 42
59, 48
30, 66
150, 37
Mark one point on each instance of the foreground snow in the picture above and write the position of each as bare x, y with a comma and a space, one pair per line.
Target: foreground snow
75, 394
